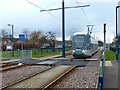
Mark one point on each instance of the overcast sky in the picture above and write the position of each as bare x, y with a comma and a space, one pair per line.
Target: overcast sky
23, 15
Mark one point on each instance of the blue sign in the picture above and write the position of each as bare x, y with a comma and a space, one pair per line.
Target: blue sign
21, 37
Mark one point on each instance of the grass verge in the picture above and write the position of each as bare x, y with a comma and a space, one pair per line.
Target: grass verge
110, 55
43, 54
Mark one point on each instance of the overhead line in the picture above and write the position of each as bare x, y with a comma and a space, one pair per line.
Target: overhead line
47, 12
51, 4
41, 8
83, 12
33, 4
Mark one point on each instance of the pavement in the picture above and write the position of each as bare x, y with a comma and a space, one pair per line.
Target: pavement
111, 75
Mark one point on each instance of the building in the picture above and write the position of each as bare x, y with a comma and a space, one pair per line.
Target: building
9, 45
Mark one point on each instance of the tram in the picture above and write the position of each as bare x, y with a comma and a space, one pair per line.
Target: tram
84, 45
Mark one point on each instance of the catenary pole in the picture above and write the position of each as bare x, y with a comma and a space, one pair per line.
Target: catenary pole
63, 22
63, 29
117, 57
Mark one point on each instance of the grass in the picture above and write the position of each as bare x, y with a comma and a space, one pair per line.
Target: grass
35, 53
44, 53
110, 55
9, 54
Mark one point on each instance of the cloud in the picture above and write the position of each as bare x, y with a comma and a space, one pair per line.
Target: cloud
22, 15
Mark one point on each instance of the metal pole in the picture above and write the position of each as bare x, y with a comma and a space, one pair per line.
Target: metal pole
12, 39
12, 32
22, 50
12, 42
63, 29
104, 41
116, 36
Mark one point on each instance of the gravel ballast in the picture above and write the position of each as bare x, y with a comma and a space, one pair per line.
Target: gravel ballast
82, 77
14, 75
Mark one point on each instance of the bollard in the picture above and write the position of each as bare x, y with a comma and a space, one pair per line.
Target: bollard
101, 76
100, 82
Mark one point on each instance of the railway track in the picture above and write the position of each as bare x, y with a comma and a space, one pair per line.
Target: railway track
86, 77
80, 77
58, 78
43, 80
46, 78
22, 73
3, 65
10, 67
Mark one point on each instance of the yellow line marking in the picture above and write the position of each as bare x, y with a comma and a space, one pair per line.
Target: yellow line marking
108, 63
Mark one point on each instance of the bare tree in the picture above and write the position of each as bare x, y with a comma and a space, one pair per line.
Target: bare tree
26, 32
114, 39
51, 37
4, 33
35, 36
43, 40
35, 39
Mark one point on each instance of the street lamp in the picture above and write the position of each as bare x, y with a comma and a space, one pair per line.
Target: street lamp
12, 30
12, 39
116, 35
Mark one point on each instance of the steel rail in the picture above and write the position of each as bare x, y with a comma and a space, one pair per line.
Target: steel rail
58, 78
11, 67
23, 79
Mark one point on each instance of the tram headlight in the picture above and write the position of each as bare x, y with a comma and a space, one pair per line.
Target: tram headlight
83, 51
73, 51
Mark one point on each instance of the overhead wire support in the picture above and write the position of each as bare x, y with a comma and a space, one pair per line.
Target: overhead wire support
63, 28
90, 31
63, 22
65, 8
47, 11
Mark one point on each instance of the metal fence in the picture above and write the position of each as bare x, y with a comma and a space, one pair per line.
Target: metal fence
20, 54
51, 49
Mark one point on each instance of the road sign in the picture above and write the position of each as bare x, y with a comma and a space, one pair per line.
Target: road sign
21, 37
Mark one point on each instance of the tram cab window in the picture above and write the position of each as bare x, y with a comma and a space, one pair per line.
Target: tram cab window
79, 38
79, 41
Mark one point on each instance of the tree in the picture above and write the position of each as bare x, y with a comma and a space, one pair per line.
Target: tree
51, 37
114, 40
35, 36
119, 38
5, 35
26, 32
43, 40
35, 39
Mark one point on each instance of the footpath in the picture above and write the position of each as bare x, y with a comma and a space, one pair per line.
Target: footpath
111, 75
